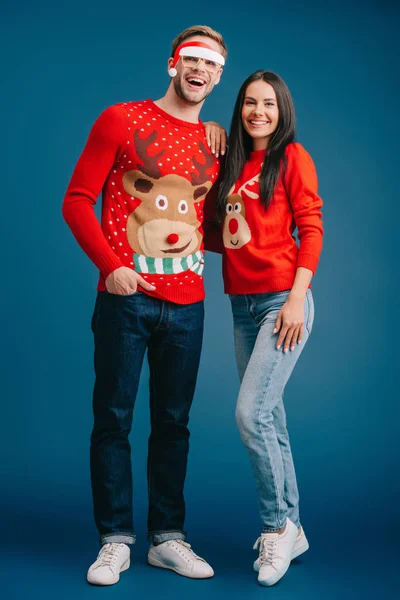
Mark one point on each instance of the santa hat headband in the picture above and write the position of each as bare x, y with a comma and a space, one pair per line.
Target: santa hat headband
197, 49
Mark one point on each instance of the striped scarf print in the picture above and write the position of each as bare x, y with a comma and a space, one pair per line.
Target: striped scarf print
169, 266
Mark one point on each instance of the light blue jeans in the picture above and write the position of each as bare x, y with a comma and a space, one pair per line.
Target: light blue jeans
260, 414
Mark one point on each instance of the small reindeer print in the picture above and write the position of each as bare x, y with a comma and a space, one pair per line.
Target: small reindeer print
236, 231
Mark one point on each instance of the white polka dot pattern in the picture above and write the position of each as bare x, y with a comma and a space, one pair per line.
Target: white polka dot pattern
175, 156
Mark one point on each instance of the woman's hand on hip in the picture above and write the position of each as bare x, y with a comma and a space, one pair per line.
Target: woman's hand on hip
290, 323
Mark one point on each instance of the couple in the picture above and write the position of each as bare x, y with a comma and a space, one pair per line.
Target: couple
152, 162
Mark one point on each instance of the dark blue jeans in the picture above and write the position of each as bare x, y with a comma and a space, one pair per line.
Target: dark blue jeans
124, 327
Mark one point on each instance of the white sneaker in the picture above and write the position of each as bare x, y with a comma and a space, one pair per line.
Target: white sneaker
300, 547
111, 561
178, 556
275, 553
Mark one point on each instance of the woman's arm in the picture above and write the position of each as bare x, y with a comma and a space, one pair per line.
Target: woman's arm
302, 188
290, 319
301, 185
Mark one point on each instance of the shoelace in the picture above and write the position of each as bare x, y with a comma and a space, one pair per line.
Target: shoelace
268, 549
108, 554
186, 550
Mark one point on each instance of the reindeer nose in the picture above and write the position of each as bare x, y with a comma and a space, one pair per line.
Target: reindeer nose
173, 238
233, 226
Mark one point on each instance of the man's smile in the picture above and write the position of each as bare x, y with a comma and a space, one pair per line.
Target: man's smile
195, 82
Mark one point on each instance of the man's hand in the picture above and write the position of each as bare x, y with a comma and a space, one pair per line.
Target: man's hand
124, 282
216, 137
290, 322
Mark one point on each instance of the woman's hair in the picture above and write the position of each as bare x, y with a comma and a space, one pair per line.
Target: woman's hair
241, 143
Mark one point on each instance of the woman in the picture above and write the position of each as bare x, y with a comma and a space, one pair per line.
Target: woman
269, 188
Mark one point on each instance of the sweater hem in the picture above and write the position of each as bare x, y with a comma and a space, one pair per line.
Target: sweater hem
185, 296
268, 286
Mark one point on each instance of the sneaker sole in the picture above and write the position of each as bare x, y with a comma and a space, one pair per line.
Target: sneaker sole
155, 562
124, 567
274, 580
296, 552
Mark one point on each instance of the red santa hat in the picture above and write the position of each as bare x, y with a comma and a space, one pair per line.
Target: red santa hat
197, 49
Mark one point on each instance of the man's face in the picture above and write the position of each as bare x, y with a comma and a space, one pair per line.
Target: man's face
194, 84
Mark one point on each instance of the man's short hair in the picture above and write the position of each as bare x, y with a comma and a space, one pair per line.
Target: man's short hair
199, 30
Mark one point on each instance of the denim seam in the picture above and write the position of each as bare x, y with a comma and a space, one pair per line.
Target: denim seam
160, 531
153, 410
150, 459
264, 438
95, 315
160, 320
309, 313
117, 534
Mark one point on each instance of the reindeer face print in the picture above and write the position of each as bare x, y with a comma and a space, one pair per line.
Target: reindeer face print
165, 224
236, 233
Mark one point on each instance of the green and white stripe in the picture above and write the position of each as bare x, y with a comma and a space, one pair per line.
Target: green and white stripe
169, 266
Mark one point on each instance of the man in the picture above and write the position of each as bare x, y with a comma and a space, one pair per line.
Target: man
152, 163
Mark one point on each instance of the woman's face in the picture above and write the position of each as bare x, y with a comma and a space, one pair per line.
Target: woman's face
260, 113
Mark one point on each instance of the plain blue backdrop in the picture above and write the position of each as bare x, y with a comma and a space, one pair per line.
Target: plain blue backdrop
62, 64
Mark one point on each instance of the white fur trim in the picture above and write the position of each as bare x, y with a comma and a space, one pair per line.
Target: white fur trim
201, 52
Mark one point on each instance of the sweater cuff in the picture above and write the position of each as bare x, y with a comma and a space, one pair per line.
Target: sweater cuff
308, 261
108, 264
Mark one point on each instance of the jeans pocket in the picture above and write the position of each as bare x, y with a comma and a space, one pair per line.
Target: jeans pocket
124, 295
310, 303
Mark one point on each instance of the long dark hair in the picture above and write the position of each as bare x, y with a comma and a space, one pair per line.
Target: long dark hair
241, 143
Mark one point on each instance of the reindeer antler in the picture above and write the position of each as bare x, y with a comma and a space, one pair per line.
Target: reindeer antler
150, 166
202, 167
250, 182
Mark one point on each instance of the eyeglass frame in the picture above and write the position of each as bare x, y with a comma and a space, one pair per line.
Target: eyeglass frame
198, 59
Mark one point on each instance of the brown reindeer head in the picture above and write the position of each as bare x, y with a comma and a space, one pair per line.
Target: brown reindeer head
236, 232
165, 223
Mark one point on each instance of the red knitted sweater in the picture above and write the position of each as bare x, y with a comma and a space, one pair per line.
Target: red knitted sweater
154, 171
259, 249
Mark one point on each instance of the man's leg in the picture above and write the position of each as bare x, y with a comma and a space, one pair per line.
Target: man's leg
174, 356
121, 327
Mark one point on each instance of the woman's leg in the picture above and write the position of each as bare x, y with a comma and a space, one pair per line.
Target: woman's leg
290, 491
260, 414
245, 332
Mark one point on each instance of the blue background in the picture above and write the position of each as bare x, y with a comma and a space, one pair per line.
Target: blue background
62, 65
